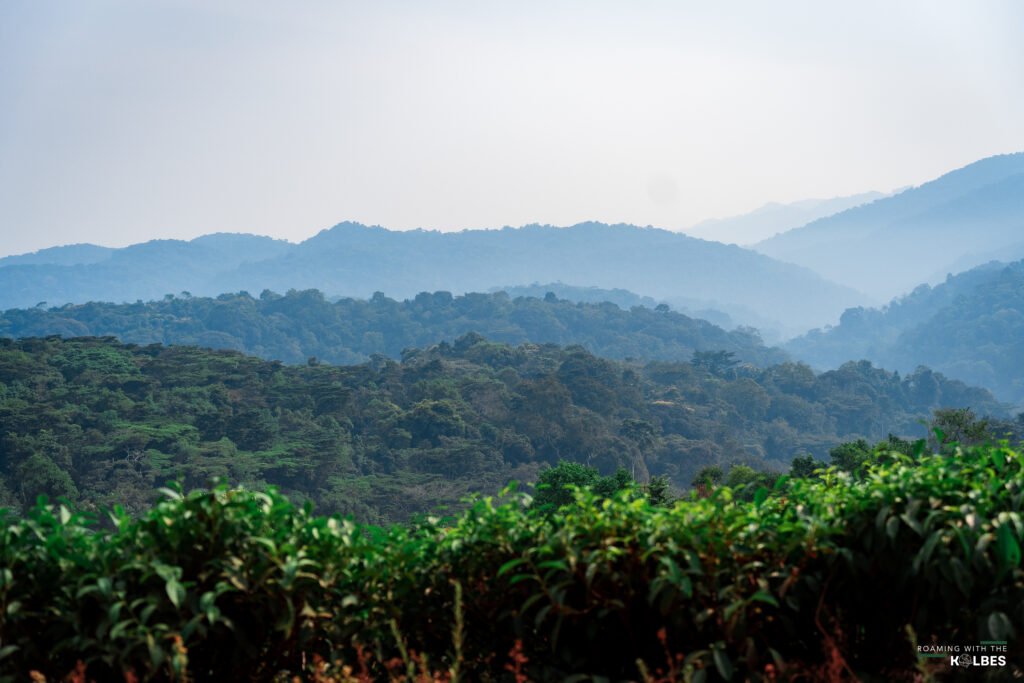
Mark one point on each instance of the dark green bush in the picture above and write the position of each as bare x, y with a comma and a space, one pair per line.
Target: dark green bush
821, 577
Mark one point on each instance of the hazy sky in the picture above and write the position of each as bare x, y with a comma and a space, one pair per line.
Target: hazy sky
127, 120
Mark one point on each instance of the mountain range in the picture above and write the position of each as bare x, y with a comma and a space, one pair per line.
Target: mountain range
970, 327
886, 248
774, 218
351, 259
879, 248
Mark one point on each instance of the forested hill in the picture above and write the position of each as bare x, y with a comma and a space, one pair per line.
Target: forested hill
299, 325
947, 225
355, 260
971, 327
626, 299
102, 422
149, 270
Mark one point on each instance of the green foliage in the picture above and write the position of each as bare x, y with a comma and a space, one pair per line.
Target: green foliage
960, 426
233, 585
717, 363
105, 423
969, 327
805, 466
303, 327
555, 485
851, 456
658, 490
709, 476
357, 260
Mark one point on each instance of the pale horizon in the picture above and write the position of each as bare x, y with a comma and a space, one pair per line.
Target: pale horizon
125, 123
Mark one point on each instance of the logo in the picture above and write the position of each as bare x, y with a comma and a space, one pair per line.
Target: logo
967, 661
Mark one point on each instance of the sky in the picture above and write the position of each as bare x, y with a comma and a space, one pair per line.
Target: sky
123, 121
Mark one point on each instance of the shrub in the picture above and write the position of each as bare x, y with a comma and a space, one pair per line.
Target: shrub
820, 577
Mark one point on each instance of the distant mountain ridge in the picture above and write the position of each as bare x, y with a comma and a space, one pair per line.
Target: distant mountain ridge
889, 246
144, 271
970, 327
351, 259
774, 218
69, 255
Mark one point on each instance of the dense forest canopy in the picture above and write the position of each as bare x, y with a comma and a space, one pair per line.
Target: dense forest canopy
299, 325
626, 299
102, 422
970, 327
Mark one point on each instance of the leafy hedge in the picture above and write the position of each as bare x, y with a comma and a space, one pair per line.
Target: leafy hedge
819, 579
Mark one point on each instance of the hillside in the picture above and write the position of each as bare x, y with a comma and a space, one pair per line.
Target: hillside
713, 311
69, 255
150, 270
774, 218
887, 247
970, 327
105, 423
299, 325
355, 260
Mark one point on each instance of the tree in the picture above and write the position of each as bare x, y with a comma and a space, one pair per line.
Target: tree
718, 363
607, 487
959, 425
640, 432
851, 456
804, 466
554, 485
658, 491
709, 477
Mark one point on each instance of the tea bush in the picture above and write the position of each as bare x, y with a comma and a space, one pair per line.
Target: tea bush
819, 579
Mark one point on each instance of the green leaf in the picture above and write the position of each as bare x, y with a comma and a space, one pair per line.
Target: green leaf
554, 564
521, 577
528, 603
926, 551
766, 597
1007, 547
999, 626
892, 527
169, 493
760, 495
731, 609
999, 458
511, 564
722, 662
175, 592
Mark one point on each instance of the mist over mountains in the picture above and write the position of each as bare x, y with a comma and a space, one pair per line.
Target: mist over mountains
888, 247
355, 260
146, 271
774, 218
970, 327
